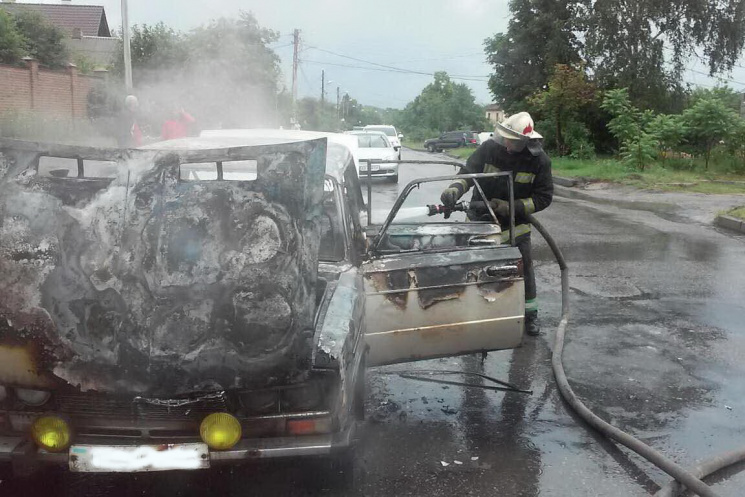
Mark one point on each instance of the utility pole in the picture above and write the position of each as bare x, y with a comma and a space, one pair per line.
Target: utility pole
323, 87
127, 48
296, 43
338, 100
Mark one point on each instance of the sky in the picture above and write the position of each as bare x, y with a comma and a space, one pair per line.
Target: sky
414, 35
421, 36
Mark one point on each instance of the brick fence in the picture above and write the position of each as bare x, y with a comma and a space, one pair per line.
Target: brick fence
54, 93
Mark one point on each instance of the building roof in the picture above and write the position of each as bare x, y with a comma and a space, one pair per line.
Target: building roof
90, 19
493, 107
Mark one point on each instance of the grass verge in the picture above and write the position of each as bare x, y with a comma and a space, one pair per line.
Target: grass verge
655, 177
413, 145
738, 213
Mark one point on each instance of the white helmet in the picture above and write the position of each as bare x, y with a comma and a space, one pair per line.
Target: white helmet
131, 102
518, 130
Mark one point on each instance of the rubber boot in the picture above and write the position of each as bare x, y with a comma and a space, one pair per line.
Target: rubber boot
531, 324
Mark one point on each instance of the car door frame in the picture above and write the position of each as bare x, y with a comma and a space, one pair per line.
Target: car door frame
440, 339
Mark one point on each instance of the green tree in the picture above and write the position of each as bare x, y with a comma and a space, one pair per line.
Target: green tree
442, 106
644, 45
631, 127
12, 42
727, 95
44, 40
540, 35
709, 121
155, 48
567, 92
224, 72
669, 130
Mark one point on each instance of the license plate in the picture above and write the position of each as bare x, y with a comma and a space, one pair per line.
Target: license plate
136, 458
373, 167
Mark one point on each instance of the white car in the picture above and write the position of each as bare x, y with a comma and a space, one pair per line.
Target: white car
390, 131
376, 145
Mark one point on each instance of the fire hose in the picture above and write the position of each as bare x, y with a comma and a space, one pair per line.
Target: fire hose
690, 479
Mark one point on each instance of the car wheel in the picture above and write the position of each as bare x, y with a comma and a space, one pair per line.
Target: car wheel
431, 148
393, 179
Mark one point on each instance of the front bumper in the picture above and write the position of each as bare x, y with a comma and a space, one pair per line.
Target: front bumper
22, 453
383, 172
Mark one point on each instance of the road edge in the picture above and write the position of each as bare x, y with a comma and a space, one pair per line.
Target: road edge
730, 223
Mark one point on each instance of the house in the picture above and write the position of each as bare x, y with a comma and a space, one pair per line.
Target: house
86, 27
494, 113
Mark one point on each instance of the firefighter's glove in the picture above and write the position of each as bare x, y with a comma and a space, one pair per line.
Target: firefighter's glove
500, 207
450, 196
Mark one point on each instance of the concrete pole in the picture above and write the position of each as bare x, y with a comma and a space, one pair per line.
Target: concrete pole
127, 48
296, 43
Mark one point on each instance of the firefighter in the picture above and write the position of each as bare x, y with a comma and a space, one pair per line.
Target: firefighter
514, 147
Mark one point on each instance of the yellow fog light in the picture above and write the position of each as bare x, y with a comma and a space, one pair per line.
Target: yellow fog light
220, 431
51, 433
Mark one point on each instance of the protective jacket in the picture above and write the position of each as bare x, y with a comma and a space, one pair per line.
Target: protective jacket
531, 176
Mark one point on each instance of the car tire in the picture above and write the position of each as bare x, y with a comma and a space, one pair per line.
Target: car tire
393, 179
431, 149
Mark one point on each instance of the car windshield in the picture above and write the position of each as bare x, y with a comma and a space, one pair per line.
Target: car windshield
388, 130
372, 141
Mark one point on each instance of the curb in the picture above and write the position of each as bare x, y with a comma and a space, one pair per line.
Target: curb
730, 223
567, 182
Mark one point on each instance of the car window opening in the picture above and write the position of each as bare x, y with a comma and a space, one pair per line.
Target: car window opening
238, 170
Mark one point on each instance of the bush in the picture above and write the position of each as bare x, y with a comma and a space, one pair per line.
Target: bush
640, 151
576, 139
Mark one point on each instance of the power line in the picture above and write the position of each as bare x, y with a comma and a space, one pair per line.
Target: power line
716, 77
399, 69
462, 56
350, 66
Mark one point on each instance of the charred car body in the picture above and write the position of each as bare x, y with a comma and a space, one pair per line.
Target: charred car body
216, 299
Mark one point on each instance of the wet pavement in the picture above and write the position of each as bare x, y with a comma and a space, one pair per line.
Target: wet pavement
656, 345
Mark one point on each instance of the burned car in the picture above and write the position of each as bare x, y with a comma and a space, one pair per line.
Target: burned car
217, 299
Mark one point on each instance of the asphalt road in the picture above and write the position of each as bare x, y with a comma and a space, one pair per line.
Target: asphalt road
656, 345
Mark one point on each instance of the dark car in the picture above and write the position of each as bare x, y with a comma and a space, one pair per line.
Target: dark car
451, 139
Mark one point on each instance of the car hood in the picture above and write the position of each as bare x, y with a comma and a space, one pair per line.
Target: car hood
145, 283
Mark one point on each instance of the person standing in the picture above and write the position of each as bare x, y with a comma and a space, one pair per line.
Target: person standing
515, 147
129, 134
178, 126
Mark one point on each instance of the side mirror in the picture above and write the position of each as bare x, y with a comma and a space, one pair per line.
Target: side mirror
400, 136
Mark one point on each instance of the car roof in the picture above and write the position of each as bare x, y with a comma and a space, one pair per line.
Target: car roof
341, 147
366, 132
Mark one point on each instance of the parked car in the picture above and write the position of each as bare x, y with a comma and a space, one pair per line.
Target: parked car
216, 300
390, 131
451, 139
375, 145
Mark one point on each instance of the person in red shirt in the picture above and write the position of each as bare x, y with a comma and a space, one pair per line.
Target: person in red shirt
179, 126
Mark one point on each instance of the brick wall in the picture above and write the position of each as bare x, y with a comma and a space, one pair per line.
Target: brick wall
55, 93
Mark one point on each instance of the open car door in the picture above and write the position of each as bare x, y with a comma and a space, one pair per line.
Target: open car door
441, 289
